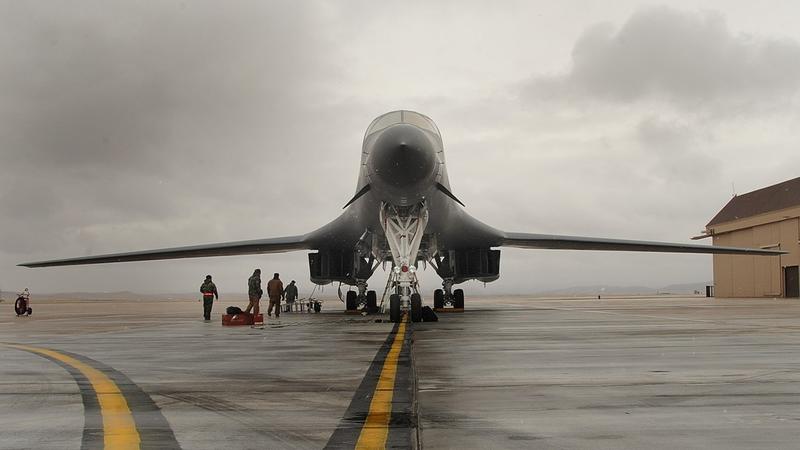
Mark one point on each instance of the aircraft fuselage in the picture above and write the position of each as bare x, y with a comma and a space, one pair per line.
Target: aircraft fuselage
403, 166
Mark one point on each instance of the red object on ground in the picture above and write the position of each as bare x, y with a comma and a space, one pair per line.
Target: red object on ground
241, 319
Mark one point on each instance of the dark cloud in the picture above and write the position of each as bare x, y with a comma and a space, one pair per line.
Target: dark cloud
128, 126
677, 149
95, 86
687, 57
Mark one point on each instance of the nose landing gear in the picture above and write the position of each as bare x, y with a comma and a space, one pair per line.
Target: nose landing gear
405, 296
404, 228
395, 307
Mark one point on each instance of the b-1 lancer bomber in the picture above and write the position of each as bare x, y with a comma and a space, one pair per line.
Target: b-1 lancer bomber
404, 214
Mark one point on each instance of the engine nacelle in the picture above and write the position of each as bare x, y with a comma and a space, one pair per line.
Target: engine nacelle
482, 264
326, 266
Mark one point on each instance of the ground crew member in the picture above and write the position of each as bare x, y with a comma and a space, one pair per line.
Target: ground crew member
254, 292
290, 293
209, 291
275, 292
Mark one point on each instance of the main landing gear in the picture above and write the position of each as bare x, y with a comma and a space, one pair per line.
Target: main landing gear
447, 296
368, 299
22, 307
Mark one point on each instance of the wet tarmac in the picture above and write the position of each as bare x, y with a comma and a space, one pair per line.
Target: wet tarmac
510, 372
651, 373
286, 386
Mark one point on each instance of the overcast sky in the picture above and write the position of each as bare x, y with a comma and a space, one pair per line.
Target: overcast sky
136, 125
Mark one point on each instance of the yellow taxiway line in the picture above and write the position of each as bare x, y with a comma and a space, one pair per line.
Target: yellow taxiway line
119, 428
376, 428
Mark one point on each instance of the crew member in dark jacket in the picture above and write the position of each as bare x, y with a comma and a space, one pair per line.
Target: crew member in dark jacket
290, 294
209, 291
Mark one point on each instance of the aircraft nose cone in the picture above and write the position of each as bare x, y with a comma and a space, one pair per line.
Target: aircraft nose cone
403, 157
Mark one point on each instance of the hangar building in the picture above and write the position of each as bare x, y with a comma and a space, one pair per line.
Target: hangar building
767, 218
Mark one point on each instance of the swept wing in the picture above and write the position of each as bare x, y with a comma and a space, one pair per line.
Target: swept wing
257, 246
559, 242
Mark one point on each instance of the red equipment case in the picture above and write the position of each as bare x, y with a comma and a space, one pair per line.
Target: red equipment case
241, 319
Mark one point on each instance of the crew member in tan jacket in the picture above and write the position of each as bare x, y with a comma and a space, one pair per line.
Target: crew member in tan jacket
275, 293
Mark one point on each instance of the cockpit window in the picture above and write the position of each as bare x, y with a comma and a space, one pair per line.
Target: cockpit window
409, 117
385, 121
420, 121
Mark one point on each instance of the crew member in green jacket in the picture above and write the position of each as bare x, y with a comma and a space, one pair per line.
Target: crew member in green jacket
209, 291
254, 292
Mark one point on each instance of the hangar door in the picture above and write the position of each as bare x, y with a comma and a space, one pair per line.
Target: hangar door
792, 279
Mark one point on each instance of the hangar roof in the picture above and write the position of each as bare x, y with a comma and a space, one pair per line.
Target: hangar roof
768, 199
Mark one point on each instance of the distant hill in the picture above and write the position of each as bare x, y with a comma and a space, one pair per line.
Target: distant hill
120, 295
686, 288
580, 291
127, 295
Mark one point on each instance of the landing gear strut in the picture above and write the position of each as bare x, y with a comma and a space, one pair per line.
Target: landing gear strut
364, 265
404, 228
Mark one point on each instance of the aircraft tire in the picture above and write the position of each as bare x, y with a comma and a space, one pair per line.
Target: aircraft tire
21, 306
351, 301
458, 299
416, 308
372, 302
394, 308
438, 298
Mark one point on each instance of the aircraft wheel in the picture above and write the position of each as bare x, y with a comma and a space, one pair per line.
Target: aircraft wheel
20, 306
394, 308
458, 298
416, 308
372, 302
351, 301
438, 298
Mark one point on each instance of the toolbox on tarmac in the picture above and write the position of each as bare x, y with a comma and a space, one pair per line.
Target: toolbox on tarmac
241, 319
